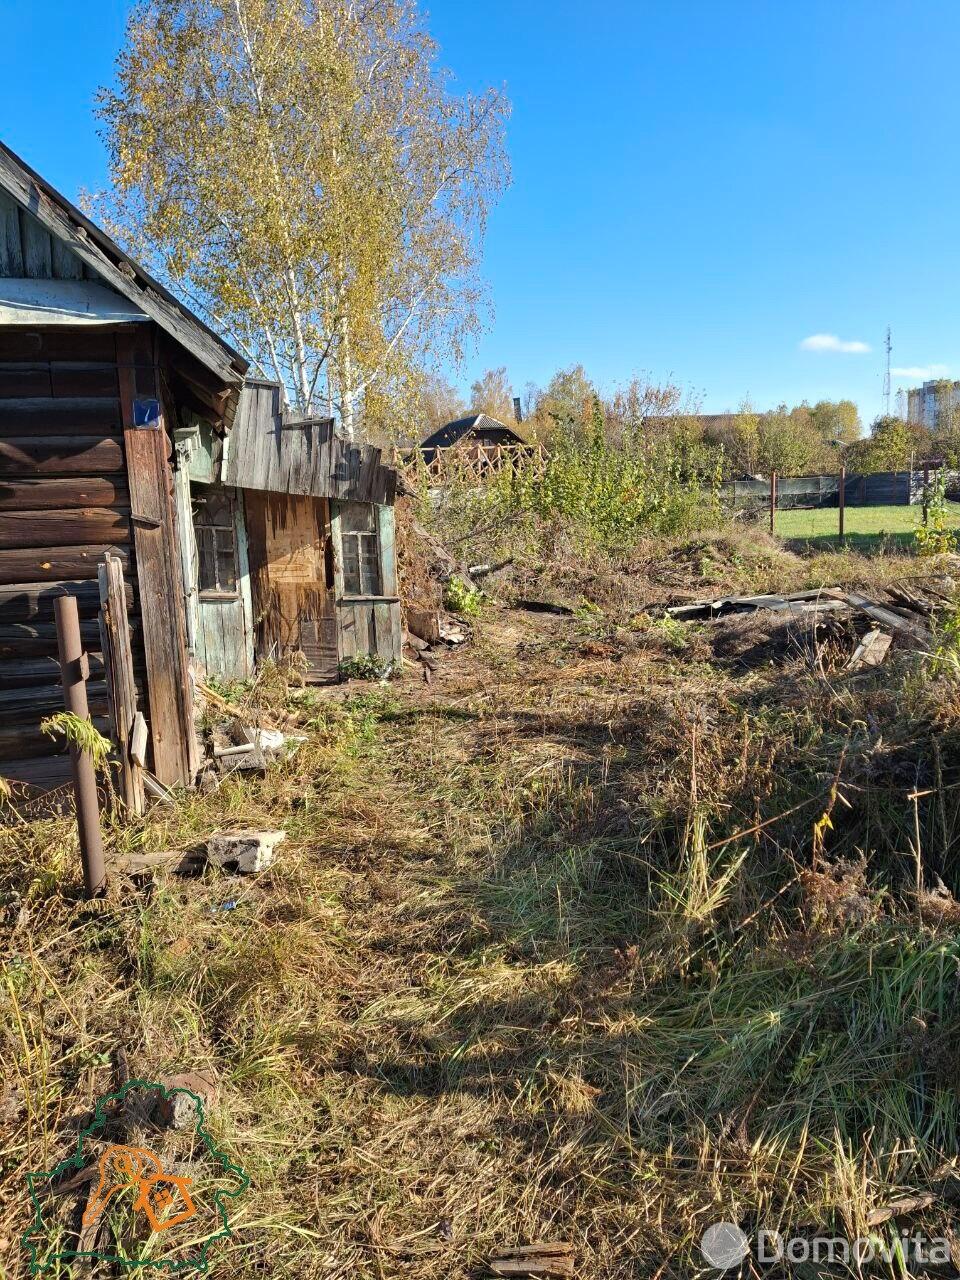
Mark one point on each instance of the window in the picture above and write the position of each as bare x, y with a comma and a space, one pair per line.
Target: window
361, 549
216, 534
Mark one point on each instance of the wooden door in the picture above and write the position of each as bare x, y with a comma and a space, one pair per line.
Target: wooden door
291, 572
224, 632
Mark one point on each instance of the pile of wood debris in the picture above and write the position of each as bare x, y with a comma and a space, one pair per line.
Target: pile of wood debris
899, 614
429, 630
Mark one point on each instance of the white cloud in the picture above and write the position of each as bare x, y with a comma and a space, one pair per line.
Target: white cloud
830, 342
920, 372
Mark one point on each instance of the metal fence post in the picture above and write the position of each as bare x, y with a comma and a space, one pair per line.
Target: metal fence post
74, 667
773, 498
842, 494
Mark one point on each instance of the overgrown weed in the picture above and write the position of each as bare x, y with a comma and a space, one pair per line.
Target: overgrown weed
548, 953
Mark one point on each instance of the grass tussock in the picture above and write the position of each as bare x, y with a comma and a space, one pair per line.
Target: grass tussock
594, 938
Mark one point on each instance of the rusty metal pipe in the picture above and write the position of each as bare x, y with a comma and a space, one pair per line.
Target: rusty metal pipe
73, 670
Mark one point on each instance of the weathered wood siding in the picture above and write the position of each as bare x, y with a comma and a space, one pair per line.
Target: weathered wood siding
64, 501
44, 236
148, 450
291, 576
269, 450
77, 479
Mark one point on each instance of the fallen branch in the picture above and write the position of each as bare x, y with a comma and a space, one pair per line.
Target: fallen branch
532, 1260
483, 570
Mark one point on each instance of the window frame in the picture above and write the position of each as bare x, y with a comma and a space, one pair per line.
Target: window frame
357, 538
215, 535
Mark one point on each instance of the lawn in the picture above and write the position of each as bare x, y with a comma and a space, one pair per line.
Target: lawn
864, 527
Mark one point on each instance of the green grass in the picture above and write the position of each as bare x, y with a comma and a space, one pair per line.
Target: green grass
864, 527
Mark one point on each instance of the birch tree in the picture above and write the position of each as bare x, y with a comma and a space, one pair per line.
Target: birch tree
301, 172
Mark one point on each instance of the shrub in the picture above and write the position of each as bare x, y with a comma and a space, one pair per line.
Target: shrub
609, 494
459, 597
933, 538
367, 666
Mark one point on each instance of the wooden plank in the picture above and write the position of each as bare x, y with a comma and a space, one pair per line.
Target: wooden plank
24, 741
75, 415
42, 700
11, 250
318, 641
98, 252
386, 529
59, 343
73, 380
37, 249
60, 455
48, 564
39, 774
47, 528
24, 380
66, 265
890, 617
160, 588
346, 631
139, 738
28, 602
120, 681
39, 639
20, 671
63, 493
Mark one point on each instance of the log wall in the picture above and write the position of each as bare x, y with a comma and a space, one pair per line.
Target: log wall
64, 501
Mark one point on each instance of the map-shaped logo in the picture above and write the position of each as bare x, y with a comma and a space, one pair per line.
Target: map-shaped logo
145, 1187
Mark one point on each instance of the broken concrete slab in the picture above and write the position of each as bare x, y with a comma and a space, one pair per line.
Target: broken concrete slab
252, 851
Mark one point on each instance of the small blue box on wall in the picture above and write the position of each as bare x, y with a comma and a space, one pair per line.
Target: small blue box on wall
146, 414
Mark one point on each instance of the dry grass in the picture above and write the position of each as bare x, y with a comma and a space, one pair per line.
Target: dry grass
516, 975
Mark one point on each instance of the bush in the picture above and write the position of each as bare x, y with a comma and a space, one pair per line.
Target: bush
458, 597
366, 666
608, 494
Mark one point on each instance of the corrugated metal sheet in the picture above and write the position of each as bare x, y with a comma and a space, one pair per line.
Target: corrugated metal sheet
875, 489
63, 302
269, 450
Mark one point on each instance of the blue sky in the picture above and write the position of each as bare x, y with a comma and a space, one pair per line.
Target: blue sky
698, 185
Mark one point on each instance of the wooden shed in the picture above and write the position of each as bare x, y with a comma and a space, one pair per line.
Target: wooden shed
126, 427
308, 520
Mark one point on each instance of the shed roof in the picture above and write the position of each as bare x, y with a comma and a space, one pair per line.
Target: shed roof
451, 432
64, 302
105, 257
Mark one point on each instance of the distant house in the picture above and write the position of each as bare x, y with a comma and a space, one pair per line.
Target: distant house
478, 433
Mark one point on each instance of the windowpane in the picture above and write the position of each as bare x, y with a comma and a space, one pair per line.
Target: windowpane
208, 564
351, 565
357, 517
361, 563
226, 560
369, 564
216, 543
